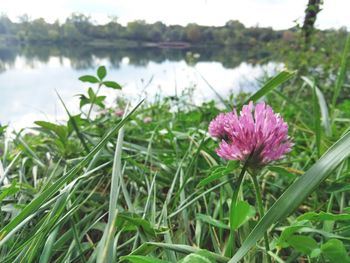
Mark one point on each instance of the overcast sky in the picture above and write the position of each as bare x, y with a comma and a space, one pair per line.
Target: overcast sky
279, 14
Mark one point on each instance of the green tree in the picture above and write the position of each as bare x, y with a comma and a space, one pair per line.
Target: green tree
193, 33
312, 9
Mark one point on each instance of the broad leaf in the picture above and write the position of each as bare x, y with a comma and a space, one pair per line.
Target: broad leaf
303, 244
101, 72
322, 216
241, 213
335, 251
201, 256
142, 259
89, 78
112, 84
59, 130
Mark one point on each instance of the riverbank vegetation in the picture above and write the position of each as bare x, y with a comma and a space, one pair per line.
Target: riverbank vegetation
140, 180
144, 184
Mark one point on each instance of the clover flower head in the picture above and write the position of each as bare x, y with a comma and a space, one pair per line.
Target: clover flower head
217, 126
119, 112
147, 119
258, 135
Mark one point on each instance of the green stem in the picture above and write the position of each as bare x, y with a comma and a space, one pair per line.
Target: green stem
93, 101
231, 243
238, 183
75, 126
261, 213
77, 240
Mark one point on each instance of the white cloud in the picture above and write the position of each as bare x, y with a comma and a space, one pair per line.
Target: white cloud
276, 13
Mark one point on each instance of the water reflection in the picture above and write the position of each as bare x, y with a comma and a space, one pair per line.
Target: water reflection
84, 57
30, 75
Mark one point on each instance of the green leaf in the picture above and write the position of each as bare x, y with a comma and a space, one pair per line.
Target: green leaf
335, 251
219, 172
112, 84
8, 190
84, 101
241, 214
288, 231
99, 101
91, 93
317, 120
326, 123
59, 130
315, 253
78, 121
74, 125
211, 221
201, 256
2, 129
142, 259
281, 171
321, 101
148, 247
341, 72
303, 244
281, 77
92, 99
48, 247
136, 221
30, 152
101, 72
105, 249
337, 188
322, 216
231, 165
89, 78
297, 192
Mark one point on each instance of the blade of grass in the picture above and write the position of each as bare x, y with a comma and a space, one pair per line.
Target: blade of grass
280, 78
30, 152
105, 248
296, 105
317, 121
191, 199
323, 106
223, 101
105, 253
74, 124
46, 254
341, 72
184, 249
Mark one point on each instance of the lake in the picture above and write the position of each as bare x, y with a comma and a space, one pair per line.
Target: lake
30, 76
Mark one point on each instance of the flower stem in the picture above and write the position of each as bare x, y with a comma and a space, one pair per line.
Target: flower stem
93, 101
232, 207
236, 191
261, 213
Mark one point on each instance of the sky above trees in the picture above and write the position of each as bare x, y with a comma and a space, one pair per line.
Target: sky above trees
279, 14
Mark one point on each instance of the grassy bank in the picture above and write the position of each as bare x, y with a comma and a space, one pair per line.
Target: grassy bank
143, 183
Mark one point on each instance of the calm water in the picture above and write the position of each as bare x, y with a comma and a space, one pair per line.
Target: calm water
30, 76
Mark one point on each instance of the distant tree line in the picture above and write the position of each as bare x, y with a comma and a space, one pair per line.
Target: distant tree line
79, 28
